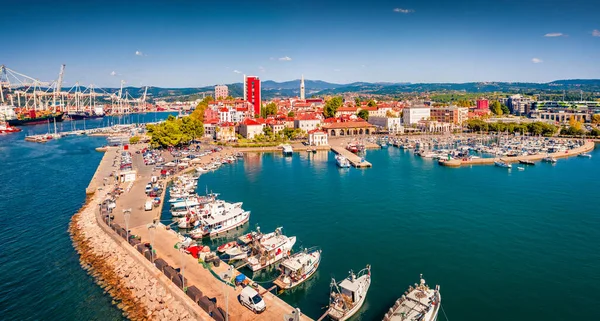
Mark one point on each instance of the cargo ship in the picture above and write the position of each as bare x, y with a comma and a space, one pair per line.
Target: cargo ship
78, 115
32, 118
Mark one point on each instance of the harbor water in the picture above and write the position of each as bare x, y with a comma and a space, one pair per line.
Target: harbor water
502, 244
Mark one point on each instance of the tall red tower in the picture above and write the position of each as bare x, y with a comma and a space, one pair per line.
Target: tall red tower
252, 92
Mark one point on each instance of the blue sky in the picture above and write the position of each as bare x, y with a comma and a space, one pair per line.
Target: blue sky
176, 43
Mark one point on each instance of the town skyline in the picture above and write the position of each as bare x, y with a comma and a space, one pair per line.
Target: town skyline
200, 44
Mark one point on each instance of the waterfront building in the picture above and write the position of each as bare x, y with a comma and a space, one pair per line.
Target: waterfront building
251, 127
302, 88
483, 104
221, 91
563, 116
452, 114
276, 125
432, 126
307, 122
346, 111
414, 114
317, 137
225, 132
252, 92
348, 128
392, 124
210, 126
519, 105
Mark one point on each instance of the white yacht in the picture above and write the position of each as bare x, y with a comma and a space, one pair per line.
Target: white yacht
418, 303
342, 161
269, 249
287, 150
349, 295
219, 217
298, 268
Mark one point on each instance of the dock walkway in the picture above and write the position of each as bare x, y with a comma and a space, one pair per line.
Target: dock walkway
354, 159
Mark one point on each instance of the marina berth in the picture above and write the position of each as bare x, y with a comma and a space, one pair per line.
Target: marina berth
417, 303
269, 249
348, 296
298, 268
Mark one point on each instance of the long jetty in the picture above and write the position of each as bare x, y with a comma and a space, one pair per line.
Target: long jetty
165, 269
587, 147
354, 159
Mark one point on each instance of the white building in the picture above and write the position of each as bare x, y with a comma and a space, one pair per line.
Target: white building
307, 123
317, 137
412, 115
224, 115
250, 128
221, 91
392, 124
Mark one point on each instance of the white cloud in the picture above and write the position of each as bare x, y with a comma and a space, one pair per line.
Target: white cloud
536, 60
237, 71
138, 53
113, 73
596, 33
262, 69
400, 10
286, 58
554, 34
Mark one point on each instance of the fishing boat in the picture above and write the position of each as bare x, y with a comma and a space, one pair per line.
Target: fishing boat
5, 128
526, 162
549, 159
287, 150
417, 303
298, 268
502, 164
586, 155
353, 148
269, 249
342, 161
349, 295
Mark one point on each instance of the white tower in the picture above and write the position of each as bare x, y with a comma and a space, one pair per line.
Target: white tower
302, 88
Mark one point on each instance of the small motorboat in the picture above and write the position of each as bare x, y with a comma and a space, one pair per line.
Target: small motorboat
227, 246
526, 162
502, 164
586, 155
521, 168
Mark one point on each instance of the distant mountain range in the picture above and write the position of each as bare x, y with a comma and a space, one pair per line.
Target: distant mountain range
272, 89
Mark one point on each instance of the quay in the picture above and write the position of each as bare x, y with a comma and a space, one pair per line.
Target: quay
354, 159
587, 147
196, 274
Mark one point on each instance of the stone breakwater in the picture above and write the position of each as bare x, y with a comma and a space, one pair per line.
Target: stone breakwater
135, 291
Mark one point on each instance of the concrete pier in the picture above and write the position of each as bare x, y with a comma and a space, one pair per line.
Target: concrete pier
354, 159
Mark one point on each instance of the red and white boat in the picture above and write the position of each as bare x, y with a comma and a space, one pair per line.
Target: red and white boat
227, 246
6, 128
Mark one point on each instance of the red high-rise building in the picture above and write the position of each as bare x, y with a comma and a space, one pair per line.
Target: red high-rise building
252, 92
483, 104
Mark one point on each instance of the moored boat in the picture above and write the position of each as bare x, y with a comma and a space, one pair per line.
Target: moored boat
5, 128
298, 268
549, 159
349, 295
526, 162
586, 155
33, 118
502, 164
418, 303
287, 150
342, 161
269, 249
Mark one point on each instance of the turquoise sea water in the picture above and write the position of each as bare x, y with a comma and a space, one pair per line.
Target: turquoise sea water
502, 245
41, 187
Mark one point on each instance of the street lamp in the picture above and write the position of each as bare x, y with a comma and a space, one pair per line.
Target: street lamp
127, 216
226, 276
152, 232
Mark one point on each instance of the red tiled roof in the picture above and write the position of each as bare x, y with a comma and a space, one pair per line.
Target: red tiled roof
212, 121
250, 122
369, 108
223, 110
316, 130
352, 109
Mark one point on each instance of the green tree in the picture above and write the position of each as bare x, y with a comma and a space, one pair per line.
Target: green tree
505, 109
496, 108
268, 131
198, 112
332, 105
269, 109
372, 103
291, 114
229, 98
357, 101
134, 139
175, 132
364, 114
596, 119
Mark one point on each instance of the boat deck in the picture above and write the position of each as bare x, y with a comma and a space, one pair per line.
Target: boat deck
416, 304
354, 159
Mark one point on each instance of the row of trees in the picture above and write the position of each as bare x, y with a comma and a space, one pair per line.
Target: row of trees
175, 131
286, 134
499, 109
535, 128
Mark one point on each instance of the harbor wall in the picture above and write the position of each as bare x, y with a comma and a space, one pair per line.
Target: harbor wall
138, 288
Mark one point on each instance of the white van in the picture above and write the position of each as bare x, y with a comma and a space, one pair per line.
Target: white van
252, 300
148, 206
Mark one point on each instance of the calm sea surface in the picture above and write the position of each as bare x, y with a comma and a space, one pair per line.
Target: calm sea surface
503, 245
